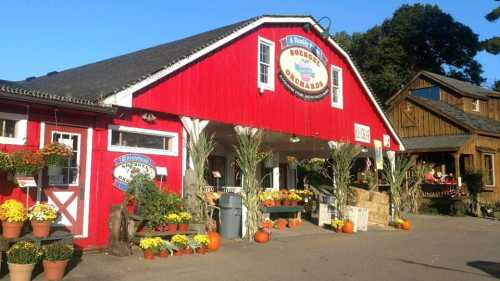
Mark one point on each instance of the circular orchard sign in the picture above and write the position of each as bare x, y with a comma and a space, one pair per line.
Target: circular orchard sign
129, 165
303, 68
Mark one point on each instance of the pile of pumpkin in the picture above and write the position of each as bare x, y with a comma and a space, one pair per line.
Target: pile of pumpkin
263, 235
403, 224
345, 226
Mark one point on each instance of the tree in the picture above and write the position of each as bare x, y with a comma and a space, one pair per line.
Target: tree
496, 86
417, 37
492, 45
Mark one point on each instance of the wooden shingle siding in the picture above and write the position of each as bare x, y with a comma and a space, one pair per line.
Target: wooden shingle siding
419, 122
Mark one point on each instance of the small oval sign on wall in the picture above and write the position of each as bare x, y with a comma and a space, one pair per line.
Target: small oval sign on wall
129, 165
303, 68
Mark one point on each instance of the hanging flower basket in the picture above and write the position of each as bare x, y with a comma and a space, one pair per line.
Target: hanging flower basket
27, 163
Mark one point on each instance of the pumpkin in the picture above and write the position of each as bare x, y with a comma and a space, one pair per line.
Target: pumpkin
269, 203
261, 236
267, 224
293, 223
406, 225
214, 243
281, 224
348, 227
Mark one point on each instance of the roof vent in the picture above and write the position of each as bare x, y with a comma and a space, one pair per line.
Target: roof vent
30, 78
52, 73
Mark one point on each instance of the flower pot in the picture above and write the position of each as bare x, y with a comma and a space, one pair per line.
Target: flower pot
178, 252
11, 229
164, 254
54, 270
20, 272
148, 254
294, 203
54, 170
286, 202
187, 251
201, 251
277, 203
172, 227
41, 229
183, 227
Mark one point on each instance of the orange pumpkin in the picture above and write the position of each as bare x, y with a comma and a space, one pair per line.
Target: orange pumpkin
214, 243
267, 224
293, 223
261, 236
281, 224
348, 227
269, 203
406, 225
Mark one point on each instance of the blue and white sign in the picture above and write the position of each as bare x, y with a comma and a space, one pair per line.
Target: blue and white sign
129, 165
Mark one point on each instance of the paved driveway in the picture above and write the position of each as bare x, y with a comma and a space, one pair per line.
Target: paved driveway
439, 248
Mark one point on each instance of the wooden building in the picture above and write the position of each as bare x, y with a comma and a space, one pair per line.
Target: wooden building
450, 123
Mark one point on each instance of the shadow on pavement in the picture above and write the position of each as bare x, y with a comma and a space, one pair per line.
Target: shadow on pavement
439, 267
492, 268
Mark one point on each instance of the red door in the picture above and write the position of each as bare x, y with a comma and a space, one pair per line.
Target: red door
67, 189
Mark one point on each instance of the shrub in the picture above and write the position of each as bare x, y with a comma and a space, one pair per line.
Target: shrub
24, 253
5, 162
58, 251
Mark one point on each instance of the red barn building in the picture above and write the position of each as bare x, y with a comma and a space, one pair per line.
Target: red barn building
280, 74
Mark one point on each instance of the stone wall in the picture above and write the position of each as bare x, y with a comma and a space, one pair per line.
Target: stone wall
377, 204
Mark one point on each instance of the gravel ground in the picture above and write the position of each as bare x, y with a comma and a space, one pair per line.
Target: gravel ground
438, 248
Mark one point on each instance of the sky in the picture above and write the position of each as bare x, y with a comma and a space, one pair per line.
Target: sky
40, 36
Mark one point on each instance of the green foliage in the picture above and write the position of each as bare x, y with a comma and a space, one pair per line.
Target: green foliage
474, 181
58, 251
492, 45
151, 203
5, 162
24, 253
493, 15
417, 37
496, 86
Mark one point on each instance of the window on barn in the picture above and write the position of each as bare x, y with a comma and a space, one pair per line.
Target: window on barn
336, 87
13, 128
137, 140
476, 105
265, 70
489, 169
432, 93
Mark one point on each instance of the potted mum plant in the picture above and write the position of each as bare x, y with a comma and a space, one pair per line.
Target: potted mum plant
203, 242
172, 220
27, 163
181, 242
184, 219
42, 215
55, 259
21, 258
276, 197
150, 246
166, 249
294, 198
5, 162
55, 154
337, 225
13, 215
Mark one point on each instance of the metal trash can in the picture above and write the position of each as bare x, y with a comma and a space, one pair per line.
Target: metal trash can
230, 207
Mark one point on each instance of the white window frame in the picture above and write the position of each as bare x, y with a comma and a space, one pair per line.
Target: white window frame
174, 151
77, 181
340, 101
476, 105
20, 131
492, 167
270, 82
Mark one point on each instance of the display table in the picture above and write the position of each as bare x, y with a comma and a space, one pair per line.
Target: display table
295, 210
162, 233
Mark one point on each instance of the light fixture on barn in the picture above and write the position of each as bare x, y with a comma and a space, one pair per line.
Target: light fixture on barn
326, 31
148, 117
294, 139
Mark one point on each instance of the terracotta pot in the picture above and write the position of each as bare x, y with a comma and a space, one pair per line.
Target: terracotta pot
261, 236
20, 272
277, 203
187, 251
164, 254
172, 227
183, 227
348, 227
54, 270
294, 203
148, 254
11, 229
406, 225
41, 229
201, 251
286, 202
268, 203
214, 238
178, 253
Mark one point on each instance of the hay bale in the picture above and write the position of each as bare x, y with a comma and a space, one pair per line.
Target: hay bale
379, 197
358, 195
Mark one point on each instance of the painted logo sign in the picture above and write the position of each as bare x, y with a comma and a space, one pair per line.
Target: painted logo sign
129, 165
303, 68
